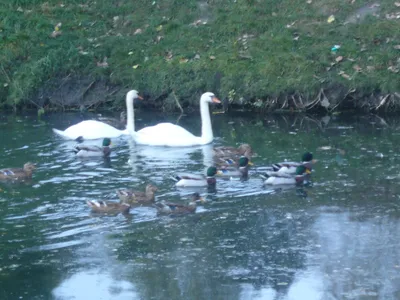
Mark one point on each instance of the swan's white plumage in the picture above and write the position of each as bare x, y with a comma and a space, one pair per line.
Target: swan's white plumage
167, 134
90, 130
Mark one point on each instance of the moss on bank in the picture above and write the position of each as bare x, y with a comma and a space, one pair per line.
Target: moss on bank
267, 54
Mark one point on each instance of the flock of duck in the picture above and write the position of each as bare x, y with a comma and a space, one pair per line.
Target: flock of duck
230, 162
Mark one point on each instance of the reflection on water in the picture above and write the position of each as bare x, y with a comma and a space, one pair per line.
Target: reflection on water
337, 239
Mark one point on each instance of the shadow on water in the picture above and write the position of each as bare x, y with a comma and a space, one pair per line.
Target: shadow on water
337, 239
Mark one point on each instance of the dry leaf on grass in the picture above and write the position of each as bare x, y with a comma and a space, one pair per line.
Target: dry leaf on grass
339, 58
103, 64
344, 75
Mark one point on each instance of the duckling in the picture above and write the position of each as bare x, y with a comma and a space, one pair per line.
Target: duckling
175, 209
242, 170
91, 151
194, 180
108, 207
290, 167
225, 151
138, 197
18, 173
302, 175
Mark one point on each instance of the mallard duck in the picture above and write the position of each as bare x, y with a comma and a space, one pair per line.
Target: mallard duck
241, 170
138, 197
302, 175
108, 207
194, 180
290, 167
114, 122
18, 173
90, 151
225, 151
175, 209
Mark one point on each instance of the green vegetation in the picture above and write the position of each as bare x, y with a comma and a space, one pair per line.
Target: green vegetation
268, 54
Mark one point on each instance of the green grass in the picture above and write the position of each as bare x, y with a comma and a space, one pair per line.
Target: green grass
288, 49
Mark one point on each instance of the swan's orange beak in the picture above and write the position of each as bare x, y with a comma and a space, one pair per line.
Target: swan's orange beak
140, 97
215, 100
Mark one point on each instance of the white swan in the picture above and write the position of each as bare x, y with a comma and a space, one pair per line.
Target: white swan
167, 134
91, 130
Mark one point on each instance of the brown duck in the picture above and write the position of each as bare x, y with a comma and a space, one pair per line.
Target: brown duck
18, 173
138, 197
225, 151
108, 207
175, 209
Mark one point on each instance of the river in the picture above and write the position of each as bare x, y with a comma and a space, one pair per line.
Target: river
337, 239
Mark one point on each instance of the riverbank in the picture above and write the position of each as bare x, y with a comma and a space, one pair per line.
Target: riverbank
295, 55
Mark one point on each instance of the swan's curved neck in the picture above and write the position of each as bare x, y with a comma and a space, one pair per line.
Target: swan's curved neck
206, 128
130, 115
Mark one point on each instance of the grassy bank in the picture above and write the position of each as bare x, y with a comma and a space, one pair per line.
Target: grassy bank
268, 54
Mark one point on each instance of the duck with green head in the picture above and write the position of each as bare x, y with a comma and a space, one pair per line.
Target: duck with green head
239, 169
94, 151
291, 167
194, 180
176, 209
18, 173
302, 175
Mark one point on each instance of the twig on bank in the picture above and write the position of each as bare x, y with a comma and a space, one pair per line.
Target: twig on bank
177, 102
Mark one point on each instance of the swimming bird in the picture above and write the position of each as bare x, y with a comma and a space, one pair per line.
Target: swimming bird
290, 167
91, 129
138, 197
18, 173
108, 207
168, 134
302, 175
176, 209
94, 151
236, 169
194, 180
226, 151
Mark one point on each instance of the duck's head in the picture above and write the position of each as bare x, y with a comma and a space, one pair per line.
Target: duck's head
133, 94
307, 157
302, 170
106, 142
212, 171
244, 162
197, 198
151, 188
209, 97
29, 167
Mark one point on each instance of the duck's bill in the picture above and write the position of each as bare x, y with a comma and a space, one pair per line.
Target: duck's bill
250, 163
215, 100
219, 172
308, 171
314, 161
202, 200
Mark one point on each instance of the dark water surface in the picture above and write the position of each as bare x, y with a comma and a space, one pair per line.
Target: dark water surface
339, 239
